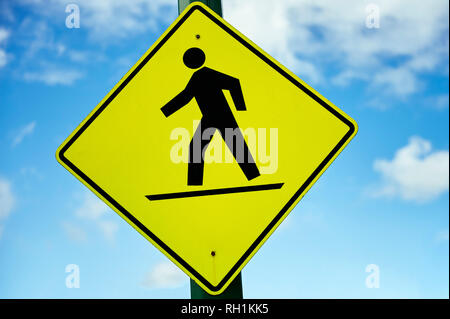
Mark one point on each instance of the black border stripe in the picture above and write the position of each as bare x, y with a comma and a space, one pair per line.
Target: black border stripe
136, 222
217, 191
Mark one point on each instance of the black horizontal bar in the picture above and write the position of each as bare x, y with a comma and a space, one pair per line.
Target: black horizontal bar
217, 191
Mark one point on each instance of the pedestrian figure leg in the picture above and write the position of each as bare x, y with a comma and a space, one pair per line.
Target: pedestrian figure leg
238, 147
197, 148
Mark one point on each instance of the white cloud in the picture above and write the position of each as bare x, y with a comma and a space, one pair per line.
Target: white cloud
92, 211
23, 132
439, 102
412, 38
442, 236
164, 275
7, 201
3, 58
415, 173
116, 19
344, 78
74, 232
84, 56
30, 171
108, 229
377, 103
36, 36
4, 34
267, 23
44, 58
54, 76
319, 40
401, 81
91, 207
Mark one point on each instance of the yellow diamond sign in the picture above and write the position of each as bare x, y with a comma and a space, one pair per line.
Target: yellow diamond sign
206, 145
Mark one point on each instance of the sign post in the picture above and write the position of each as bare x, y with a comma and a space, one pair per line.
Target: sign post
215, 5
234, 290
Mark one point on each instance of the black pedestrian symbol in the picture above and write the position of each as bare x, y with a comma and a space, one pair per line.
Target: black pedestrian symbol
206, 86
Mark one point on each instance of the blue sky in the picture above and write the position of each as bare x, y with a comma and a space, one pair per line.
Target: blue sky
384, 201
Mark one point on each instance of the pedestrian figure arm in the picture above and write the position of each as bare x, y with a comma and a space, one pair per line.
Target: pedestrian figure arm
183, 98
234, 86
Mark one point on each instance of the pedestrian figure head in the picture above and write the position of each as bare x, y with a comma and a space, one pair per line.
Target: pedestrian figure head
194, 58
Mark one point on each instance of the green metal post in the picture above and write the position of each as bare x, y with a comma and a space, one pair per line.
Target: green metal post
234, 290
215, 5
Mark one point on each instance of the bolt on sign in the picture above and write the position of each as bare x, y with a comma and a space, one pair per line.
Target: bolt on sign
206, 145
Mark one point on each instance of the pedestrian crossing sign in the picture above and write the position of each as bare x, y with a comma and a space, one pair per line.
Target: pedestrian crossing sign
206, 145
